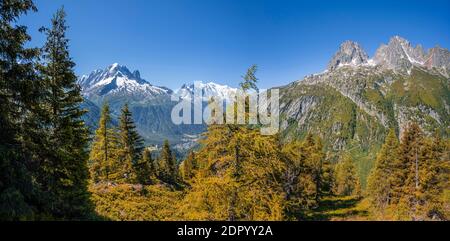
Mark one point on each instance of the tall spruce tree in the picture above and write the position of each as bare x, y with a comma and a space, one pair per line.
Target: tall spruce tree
20, 93
63, 173
103, 157
131, 146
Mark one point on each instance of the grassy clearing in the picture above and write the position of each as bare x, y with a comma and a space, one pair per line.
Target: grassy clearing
335, 208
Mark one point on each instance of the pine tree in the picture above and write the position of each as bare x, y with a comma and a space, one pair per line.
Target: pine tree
347, 181
131, 146
380, 182
103, 156
63, 173
20, 93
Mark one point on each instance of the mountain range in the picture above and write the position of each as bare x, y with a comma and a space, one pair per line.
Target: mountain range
151, 105
350, 105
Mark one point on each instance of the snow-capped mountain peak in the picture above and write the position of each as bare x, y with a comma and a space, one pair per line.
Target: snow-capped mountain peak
117, 79
209, 90
399, 54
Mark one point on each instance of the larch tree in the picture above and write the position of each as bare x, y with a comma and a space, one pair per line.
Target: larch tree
249, 82
239, 173
298, 184
188, 167
217, 194
380, 181
315, 160
347, 180
249, 79
409, 178
426, 175
306, 177
407, 172
433, 179
104, 151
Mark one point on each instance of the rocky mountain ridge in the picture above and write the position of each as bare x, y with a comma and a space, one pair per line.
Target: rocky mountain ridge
398, 55
356, 100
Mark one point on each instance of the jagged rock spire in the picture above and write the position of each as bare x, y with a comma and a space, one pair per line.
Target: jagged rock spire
349, 53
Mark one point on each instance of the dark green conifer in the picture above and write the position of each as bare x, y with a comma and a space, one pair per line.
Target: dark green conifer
167, 170
63, 173
145, 169
131, 146
20, 94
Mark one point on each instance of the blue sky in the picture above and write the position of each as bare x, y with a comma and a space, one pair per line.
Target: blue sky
180, 41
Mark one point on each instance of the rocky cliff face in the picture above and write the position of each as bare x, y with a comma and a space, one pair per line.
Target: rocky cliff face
439, 58
400, 55
354, 103
349, 53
